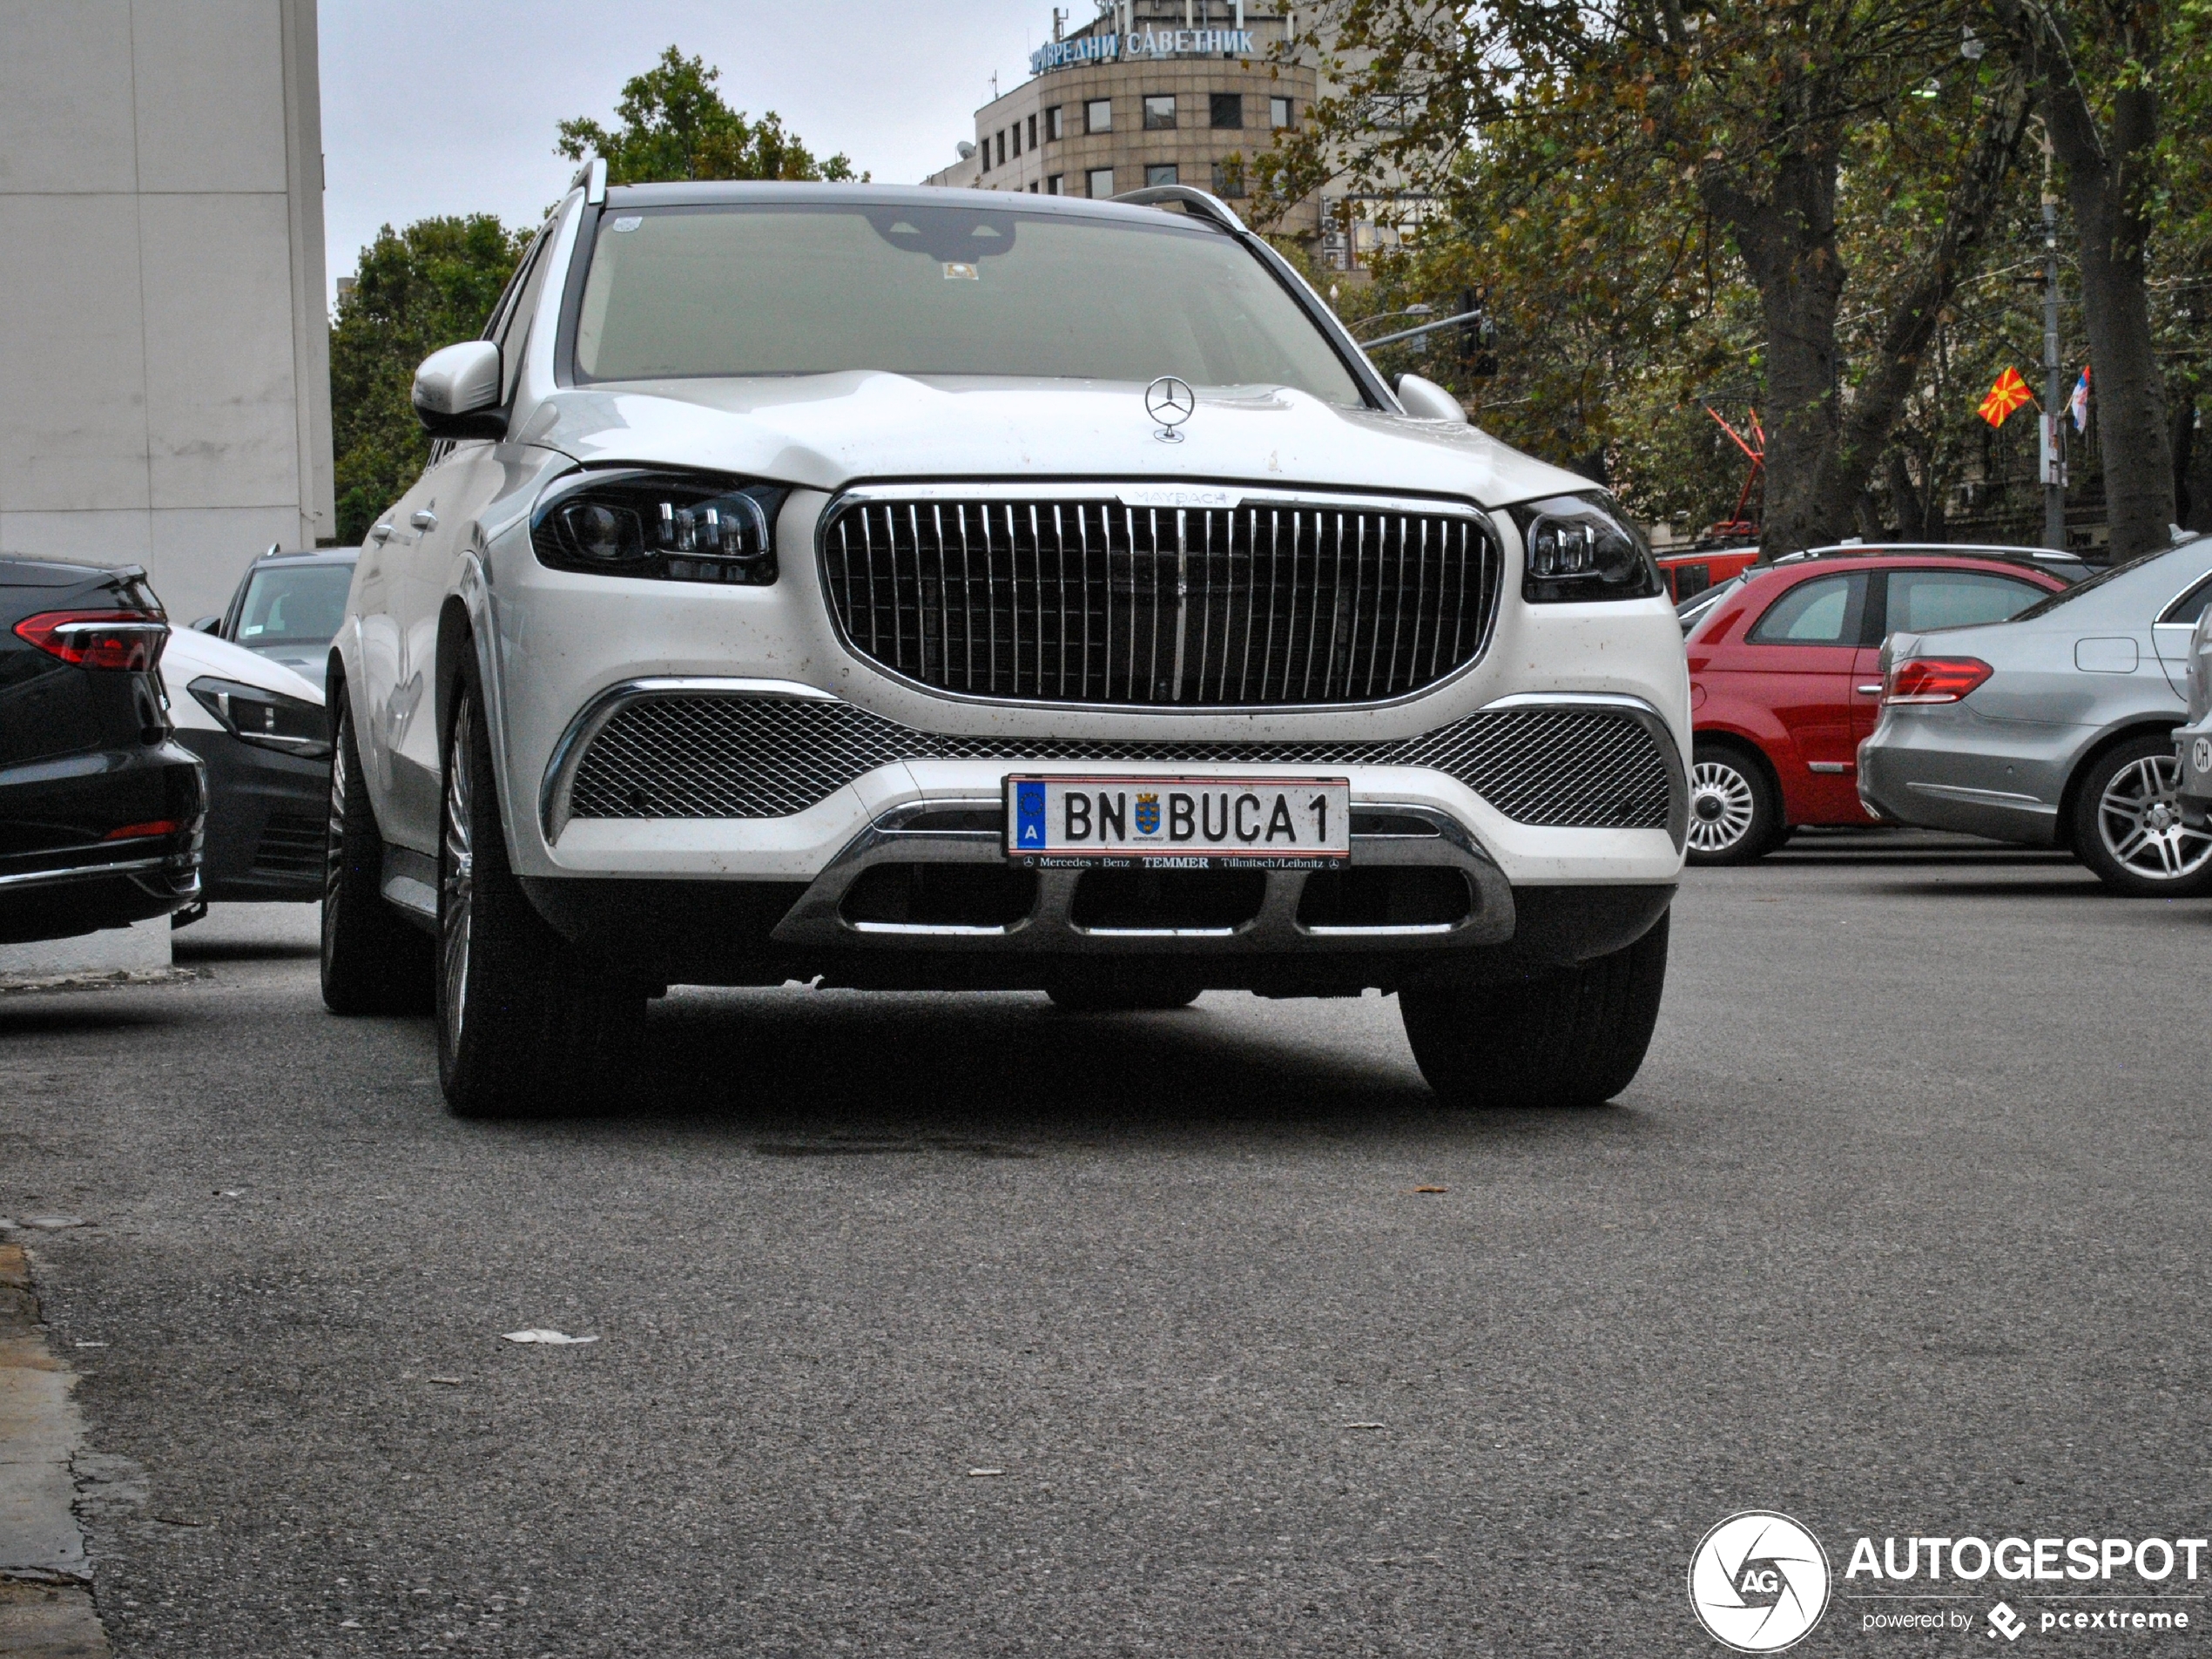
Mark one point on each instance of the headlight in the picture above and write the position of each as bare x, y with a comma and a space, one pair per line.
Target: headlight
268, 719
672, 527
1578, 547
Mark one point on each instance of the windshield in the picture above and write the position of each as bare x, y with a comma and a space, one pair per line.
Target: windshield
816, 289
301, 605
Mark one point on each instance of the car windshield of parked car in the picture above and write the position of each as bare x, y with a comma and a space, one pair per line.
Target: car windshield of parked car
301, 605
815, 288
1924, 601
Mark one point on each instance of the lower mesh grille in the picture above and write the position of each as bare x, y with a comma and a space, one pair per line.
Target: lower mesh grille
291, 844
710, 756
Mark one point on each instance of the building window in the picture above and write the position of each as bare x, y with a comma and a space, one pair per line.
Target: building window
1001, 147
1227, 108
1055, 186
1017, 139
1032, 186
1032, 133
1160, 173
1159, 110
1229, 179
984, 154
1101, 183
1052, 133
1278, 112
1098, 115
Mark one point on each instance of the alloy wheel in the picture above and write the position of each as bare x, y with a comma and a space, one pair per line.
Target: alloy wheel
2140, 819
457, 880
1721, 806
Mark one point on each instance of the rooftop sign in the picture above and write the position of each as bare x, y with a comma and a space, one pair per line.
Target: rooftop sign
1151, 42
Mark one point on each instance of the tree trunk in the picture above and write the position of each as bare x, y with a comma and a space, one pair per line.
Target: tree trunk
1788, 243
1910, 328
1905, 502
2107, 176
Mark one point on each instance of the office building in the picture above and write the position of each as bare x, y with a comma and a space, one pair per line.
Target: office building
165, 387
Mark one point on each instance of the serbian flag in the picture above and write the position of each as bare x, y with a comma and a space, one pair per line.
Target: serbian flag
2010, 392
2079, 403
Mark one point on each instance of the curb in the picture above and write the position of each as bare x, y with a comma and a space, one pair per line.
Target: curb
46, 1609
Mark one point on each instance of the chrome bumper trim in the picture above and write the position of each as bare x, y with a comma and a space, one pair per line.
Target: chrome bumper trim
818, 918
83, 872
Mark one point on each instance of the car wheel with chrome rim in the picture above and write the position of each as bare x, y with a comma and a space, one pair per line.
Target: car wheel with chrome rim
2127, 823
374, 961
1733, 818
524, 1027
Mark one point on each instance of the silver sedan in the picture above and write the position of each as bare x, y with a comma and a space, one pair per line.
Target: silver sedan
2056, 728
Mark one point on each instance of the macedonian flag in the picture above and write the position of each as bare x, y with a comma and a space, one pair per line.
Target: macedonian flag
2010, 392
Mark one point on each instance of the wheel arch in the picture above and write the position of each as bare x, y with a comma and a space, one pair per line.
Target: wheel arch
2158, 726
456, 639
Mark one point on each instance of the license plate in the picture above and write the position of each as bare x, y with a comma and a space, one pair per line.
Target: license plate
1178, 823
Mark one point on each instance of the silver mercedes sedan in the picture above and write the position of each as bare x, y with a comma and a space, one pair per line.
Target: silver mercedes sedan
2054, 729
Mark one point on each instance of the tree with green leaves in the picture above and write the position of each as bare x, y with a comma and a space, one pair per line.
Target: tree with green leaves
1662, 128
415, 290
674, 124
2102, 69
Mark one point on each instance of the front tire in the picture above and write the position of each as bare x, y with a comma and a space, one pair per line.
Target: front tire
1570, 1036
1735, 817
524, 1027
374, 961
2127, 823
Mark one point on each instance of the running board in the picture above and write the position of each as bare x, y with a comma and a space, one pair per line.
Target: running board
410, 885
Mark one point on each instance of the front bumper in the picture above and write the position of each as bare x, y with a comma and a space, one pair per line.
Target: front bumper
695, 778
266, 820
847, 847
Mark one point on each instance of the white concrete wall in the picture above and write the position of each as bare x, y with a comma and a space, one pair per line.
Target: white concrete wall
164, 366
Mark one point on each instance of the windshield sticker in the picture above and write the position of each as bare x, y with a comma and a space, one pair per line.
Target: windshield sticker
630, 224
956, 273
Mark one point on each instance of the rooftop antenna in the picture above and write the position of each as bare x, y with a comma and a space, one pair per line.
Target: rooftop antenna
1059, 23
995, 86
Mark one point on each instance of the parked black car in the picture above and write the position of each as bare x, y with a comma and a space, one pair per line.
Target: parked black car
101, 811
287, 606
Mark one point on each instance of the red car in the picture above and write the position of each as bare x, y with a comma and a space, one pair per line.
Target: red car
1784, 683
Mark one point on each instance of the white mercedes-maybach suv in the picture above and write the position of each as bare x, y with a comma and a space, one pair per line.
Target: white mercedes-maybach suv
950, 590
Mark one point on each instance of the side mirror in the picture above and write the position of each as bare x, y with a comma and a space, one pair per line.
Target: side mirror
208, 625
456, 392
1428, 401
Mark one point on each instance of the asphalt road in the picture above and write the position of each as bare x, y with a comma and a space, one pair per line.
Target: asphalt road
1902, 1231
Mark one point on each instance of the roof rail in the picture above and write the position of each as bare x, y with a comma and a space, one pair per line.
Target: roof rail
1200, 202
592, 176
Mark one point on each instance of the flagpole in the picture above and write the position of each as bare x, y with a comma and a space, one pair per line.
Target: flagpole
2052, 447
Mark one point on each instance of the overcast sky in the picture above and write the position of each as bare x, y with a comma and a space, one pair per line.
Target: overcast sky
450, 107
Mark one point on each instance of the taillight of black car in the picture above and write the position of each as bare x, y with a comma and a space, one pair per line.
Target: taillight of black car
127, 640
667, 527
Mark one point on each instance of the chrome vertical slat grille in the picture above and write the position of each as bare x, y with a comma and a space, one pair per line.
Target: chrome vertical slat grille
1096, 601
